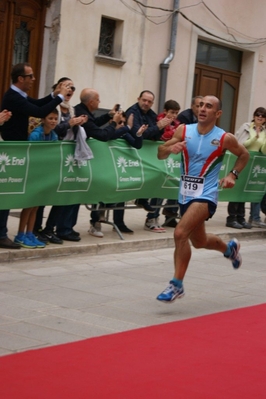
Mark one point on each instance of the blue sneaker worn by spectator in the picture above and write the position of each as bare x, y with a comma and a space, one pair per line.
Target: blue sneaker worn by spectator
235, 256
24, 241
34, 240
171, 293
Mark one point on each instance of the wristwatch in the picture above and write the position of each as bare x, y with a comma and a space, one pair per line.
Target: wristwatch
235, 173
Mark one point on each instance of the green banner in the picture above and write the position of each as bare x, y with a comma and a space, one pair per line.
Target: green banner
40, 173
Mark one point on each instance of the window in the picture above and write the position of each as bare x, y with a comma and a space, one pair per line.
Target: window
21, 44
106, 43
110, 42
218, 56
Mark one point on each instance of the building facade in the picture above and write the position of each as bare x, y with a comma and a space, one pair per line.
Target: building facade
175, 48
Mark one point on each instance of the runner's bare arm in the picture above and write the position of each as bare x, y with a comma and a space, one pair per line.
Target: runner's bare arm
231, 144
173, 146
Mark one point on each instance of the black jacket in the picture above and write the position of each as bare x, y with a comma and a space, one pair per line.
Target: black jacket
140, 118
92, 128
16, 128
187, 117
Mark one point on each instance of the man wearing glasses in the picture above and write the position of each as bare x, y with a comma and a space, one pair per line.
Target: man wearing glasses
21, 106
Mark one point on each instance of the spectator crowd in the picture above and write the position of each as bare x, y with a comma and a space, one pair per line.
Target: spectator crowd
53, 118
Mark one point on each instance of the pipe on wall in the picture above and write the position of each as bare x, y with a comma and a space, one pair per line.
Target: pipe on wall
164, 66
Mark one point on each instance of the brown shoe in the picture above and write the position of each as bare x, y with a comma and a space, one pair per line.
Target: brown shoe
7, 243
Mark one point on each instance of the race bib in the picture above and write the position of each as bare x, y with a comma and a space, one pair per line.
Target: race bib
191, 186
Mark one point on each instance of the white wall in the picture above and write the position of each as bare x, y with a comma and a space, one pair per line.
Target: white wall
78, 45
51, 38
145, 45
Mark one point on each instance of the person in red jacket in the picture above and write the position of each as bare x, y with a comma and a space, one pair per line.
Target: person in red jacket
171, 109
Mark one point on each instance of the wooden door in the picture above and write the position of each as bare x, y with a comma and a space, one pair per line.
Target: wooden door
222, 84
21, 38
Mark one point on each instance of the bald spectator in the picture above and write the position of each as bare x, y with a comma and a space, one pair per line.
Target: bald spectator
89, 103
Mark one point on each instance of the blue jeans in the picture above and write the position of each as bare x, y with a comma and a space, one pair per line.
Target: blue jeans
159, 201
3, 223
255, 211
236, 212
68, 219
156, 214
95, 215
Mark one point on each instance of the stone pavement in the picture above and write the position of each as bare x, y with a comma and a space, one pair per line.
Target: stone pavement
111, 243
109, 285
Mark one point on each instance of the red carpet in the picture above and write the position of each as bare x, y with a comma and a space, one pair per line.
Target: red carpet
209, 357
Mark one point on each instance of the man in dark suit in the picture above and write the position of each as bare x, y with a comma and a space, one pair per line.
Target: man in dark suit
21, 106
190, 115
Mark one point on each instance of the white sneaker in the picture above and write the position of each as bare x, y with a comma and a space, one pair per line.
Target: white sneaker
96, 230
163, 230
154, 226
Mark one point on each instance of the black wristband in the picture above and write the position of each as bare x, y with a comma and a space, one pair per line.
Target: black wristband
235, 173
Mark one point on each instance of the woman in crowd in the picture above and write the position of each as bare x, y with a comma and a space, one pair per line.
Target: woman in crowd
256, 141
66, 120
253, 136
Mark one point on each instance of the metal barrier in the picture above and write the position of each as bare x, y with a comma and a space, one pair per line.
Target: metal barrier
105, 209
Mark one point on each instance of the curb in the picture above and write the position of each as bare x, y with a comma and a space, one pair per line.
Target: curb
54, 251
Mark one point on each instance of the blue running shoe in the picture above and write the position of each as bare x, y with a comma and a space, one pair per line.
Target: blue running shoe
35, 241
24, 241
171, 293
235, 256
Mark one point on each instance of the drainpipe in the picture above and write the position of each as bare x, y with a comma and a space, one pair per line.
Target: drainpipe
166, 63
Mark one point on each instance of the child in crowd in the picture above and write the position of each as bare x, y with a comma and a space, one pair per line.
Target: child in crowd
171, 110
45, 132
25, 236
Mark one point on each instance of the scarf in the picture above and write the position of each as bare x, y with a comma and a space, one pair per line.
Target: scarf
68, 107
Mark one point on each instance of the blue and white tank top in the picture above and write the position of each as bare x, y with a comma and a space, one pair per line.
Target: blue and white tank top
200, 164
